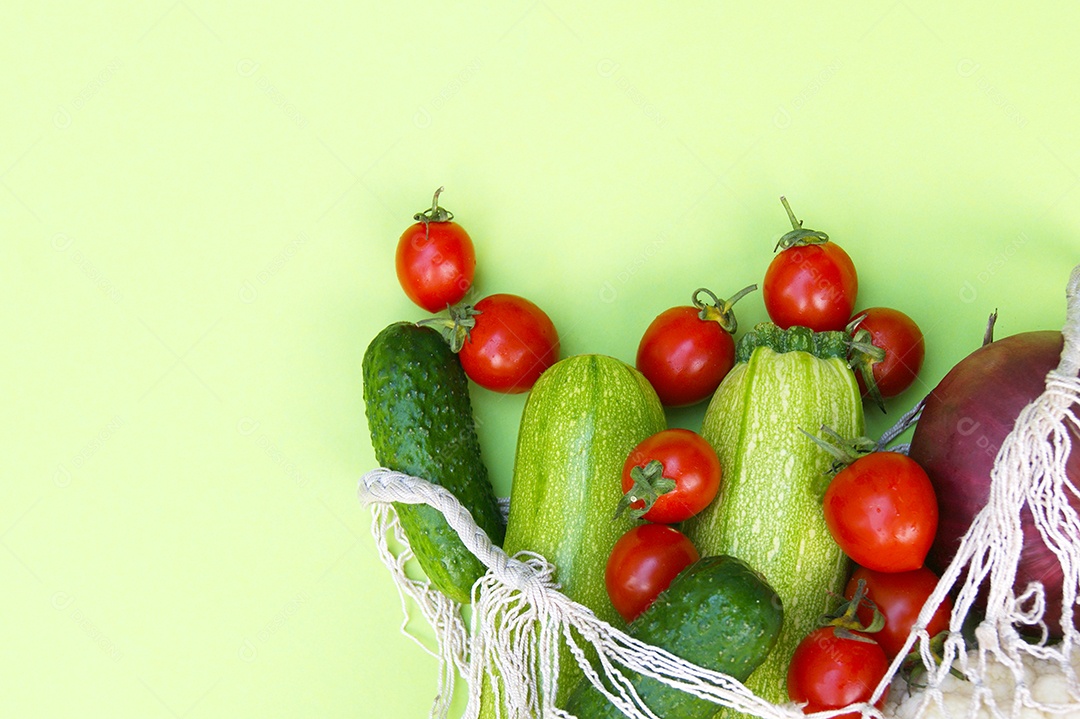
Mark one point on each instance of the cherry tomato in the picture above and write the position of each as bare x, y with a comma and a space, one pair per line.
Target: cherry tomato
435, 259
686, 461
642, 564
900, 597
902, 340
812, 286
811, 283
882, 511
510, 345
686, 351
831, 671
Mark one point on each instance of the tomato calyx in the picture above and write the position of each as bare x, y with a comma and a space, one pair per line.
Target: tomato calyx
913, 669
843, 450
720, 311
845, 620
435, 213
455, 325
863, 354
798, 236
649, 484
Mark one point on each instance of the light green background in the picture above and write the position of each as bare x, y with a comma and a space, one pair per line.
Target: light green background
200, 203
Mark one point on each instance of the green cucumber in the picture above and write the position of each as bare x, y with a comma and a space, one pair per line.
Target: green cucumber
420, 416
768, 512
717, 613
580, 422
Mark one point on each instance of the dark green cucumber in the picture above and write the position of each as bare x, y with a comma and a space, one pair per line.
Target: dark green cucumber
717, 613
421, 422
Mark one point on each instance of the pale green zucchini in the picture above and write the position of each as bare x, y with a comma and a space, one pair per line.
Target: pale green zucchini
768, 512
582, 419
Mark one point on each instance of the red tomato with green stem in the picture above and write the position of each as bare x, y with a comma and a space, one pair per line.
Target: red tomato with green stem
833, 668
687, 351
899, 596
505, 341
669, 477
904, 350
882, 511
812, 282
435, 259
642, 564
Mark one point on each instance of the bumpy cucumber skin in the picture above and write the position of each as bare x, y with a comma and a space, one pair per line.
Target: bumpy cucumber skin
581, 420
420, 416
768, 512
719, 614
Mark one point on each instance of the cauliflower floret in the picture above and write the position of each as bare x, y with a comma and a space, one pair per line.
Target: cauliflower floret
1046, 680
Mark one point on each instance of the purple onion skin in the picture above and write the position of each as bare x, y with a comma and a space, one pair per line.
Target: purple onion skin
965, 420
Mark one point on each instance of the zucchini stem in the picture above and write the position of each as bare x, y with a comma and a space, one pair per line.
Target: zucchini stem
823, 345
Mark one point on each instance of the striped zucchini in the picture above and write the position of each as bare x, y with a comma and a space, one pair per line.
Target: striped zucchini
768, 512
582, 419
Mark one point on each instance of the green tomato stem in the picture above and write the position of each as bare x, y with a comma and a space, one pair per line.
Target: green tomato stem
720, 311
435, 213
844, 452
649, 484
846, 619
796, 224
455, 325
798, 237
863, 354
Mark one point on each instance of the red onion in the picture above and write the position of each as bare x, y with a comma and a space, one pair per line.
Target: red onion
963, 424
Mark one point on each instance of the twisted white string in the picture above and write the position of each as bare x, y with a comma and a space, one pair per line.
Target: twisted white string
442, 613
1029, 470
520, 618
